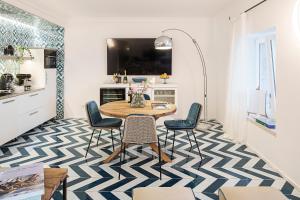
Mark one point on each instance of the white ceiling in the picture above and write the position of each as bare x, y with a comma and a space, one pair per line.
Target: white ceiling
126, 8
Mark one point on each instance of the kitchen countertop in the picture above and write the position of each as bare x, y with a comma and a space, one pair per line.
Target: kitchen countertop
15, 94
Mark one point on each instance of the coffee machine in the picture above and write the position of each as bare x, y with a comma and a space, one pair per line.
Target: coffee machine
6, 83
21, 79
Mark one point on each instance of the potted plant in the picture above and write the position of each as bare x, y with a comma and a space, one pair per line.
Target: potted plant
138, 100
20, 51
164, 77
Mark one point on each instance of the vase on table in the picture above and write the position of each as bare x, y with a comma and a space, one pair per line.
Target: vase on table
138, 101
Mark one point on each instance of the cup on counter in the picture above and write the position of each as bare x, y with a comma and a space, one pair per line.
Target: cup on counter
19, 89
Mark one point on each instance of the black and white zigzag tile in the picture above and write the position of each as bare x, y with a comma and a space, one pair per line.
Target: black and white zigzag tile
63, 144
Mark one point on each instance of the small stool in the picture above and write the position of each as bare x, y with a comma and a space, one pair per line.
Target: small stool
250, 193
165, 193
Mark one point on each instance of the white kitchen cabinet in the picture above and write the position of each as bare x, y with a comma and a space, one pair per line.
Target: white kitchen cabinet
28, 110
8, 121
31, 101
29, 120
24, 112
50, 92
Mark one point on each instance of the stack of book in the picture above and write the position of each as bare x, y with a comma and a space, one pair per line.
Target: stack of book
20, 183
159, 106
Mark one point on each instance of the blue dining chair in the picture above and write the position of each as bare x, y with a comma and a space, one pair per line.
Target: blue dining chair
97, 122
189, 124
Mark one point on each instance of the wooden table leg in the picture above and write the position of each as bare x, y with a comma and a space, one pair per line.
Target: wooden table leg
65, 189
164, 156
114, 155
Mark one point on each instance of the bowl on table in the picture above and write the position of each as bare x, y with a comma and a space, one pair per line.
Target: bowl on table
139, 79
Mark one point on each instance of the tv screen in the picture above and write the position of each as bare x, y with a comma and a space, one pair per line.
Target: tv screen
137, 57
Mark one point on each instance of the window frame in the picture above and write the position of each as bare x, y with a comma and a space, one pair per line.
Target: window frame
269, 40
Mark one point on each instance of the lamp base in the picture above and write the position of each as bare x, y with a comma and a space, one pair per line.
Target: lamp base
203, 126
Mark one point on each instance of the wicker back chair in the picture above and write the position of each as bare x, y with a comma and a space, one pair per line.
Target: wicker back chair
139, 129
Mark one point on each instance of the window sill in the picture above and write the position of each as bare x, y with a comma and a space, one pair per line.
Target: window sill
269, 130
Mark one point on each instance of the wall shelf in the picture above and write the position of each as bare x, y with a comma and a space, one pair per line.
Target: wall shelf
5, 57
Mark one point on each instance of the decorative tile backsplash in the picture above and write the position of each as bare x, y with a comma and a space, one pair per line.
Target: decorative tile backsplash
20, 28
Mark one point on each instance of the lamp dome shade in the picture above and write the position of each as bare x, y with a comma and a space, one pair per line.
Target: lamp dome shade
163, 43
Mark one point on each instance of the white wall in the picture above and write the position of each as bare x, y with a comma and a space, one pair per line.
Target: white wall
31, 8
85, 67
282, 150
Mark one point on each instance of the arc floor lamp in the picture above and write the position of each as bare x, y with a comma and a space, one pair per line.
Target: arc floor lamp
164, 42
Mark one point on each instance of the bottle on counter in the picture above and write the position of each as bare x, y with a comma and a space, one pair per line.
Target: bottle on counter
27, 84
130, 91
125, 79
119, 78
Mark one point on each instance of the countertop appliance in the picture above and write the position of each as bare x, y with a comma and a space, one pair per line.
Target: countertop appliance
21, 78
50, 58
6, 83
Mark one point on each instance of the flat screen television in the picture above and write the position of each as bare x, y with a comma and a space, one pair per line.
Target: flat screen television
137, 56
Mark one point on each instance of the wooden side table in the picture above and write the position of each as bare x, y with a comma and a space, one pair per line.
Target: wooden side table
54, 177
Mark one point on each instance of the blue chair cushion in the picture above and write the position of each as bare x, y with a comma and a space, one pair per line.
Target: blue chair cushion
189, 123
178, 124
109, 123
93, 112
194, 113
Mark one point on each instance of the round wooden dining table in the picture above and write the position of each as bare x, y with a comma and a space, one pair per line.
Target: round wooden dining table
122, 109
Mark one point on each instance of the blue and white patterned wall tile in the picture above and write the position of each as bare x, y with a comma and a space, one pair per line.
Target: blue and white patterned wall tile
18, 27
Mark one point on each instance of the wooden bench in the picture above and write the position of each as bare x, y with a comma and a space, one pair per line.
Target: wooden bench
165, 193
250, 193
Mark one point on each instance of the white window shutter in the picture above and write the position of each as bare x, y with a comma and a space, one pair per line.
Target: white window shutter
257, 102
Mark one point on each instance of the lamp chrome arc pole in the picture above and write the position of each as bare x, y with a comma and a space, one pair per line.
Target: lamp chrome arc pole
200, 53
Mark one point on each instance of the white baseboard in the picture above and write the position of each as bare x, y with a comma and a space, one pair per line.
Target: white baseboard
272, 165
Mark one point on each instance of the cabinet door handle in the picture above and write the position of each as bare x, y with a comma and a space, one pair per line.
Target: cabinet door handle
10, 101
34, 95
36, 112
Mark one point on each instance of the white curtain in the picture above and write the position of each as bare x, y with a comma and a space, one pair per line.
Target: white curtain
239, 74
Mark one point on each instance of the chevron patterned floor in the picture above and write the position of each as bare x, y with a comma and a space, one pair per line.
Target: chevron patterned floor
63, 144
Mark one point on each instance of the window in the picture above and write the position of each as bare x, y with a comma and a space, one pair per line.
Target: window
263, 100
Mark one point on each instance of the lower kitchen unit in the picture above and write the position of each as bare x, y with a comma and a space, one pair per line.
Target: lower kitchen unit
29, 100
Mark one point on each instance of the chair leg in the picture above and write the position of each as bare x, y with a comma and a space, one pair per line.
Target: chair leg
120, 160
99, 137
159, 157
90, 143
173, 145
166, 137
124, 152
112, 139
197, 145
189, 140
120, 133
